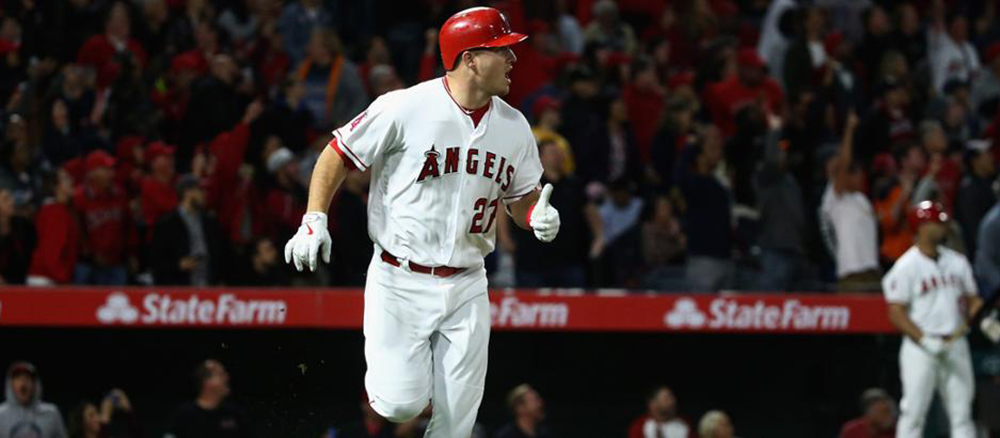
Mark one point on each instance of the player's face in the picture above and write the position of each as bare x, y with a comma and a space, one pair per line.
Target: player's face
934, 232
493, 68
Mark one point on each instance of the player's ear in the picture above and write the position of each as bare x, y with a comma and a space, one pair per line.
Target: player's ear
469, 59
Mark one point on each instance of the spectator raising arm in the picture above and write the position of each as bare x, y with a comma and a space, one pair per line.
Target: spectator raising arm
845, 156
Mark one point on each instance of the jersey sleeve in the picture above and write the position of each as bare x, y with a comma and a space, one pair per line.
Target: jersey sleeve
528, 172
369, 135
897, 286
969, 286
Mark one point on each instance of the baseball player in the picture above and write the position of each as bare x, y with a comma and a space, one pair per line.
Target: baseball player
445, 155
931, 293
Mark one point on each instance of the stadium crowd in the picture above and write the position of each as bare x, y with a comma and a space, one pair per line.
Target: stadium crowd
212, 415
694, 145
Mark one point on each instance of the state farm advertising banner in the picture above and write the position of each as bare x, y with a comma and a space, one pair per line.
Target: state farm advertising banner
511, 310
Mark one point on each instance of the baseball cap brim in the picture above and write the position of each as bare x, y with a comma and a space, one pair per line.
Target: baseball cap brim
507, 40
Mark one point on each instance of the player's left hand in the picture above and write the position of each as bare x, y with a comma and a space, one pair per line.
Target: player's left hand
544, 219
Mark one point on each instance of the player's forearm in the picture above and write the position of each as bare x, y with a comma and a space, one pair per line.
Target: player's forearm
975, 303
327, 176
519, 209
899, 318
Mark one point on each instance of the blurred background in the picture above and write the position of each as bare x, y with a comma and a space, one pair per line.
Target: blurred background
694, 145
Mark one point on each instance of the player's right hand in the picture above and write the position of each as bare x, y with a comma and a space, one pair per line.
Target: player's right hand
933, 345
303, 249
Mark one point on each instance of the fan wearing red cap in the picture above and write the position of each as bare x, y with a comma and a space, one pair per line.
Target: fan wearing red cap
106, 224
750, 86
158, 194
446, 157
931, 295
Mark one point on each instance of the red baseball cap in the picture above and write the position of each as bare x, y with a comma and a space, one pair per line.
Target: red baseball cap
98, 159
22, 367
748, 57
157, 149
927, 211
478, 27
545, 103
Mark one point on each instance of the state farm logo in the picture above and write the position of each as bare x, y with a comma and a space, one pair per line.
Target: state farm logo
511, 312
685, 314
117, 309
732, 314
225, 309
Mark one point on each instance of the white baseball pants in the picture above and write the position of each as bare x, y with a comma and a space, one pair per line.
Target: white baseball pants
426, 340
951, 375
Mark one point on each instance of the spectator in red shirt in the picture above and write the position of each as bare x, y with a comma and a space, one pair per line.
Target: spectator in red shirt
878, 419
58, 235
107, 227
661, 419
104, 52
751, 85
537, 64
644, 97
158, 194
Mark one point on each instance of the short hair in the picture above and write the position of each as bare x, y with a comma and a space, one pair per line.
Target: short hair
872, 396
516, 396
653, 391
202, 373
710, 422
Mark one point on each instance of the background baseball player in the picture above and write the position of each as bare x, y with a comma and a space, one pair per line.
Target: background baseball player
444, 156
931, 292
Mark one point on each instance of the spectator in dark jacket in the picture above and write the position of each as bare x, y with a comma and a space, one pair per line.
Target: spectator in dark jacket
707, 214
782, 217
528, 409
210, 415
113, 419
261, 266
558, 263
987, 261
215, 106
186, 248
975, 193
353, 248
17, 241
806, 55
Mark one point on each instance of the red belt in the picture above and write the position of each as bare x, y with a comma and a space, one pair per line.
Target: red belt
439, 271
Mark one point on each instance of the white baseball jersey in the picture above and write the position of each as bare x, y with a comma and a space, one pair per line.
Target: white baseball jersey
438, 180
934, 290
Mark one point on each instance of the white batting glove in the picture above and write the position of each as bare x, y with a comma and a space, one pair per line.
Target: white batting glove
933, 345
544, 220
312, 237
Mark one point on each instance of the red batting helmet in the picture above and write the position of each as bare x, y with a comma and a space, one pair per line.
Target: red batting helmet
927, 211
475, 28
